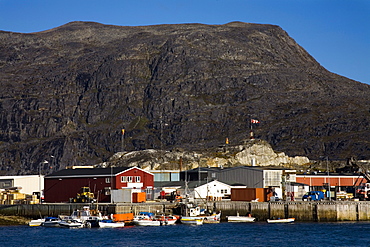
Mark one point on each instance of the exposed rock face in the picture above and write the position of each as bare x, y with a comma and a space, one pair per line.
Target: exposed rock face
253, 152
67, 93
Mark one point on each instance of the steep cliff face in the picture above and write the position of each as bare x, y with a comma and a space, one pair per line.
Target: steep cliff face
67, 93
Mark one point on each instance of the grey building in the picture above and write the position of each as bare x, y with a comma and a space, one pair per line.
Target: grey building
251, 176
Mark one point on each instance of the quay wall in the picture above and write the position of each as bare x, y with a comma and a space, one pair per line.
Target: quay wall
328, 211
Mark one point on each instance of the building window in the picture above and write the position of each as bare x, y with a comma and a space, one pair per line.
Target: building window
129, 179
137, 179
107, 180
107, 191
124, 179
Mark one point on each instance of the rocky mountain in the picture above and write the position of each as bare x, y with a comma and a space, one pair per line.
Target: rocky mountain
68, 92
249, 152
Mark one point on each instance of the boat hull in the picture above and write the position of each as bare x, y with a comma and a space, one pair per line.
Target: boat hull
37, 222
111, 224
146, 222
192, 220
240, 219
288, 220
214, 218
71, 224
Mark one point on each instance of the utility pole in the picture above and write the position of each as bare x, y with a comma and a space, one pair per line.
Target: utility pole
40, 179
327, 168
122, 139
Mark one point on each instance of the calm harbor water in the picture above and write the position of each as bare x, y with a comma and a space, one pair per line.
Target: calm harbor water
223, 234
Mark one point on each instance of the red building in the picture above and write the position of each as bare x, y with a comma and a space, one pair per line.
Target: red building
321, 180
62, 185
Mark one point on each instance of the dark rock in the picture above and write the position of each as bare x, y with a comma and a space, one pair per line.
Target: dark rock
67, 93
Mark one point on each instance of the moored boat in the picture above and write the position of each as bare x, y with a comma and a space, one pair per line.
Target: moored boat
36, 222
84, 216
110, 224
51, 222
71, 224
212, 218
192, 220
288, 220
240, 218
166, 219
145, 219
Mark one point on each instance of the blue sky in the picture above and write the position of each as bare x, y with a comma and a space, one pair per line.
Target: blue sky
335, 32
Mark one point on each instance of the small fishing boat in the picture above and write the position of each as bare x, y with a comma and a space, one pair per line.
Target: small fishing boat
110, 224
238, 218
212, 218
36, 222
288, 220
84, 216
166, 219
71, 223
51, 222
192, 220
145, 219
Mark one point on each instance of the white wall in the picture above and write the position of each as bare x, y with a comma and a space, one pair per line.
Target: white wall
29, 184
214, 188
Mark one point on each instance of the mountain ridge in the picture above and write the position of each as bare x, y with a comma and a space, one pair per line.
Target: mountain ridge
68, 92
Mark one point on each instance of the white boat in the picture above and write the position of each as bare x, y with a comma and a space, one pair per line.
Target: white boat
71, 223
36, 222
192, 220
51, 222
213, 218
145, 219
166, 219
110, 224
238, 218
84, 216
288, 220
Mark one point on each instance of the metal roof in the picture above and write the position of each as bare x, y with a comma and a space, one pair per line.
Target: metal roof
88, 172
193, 184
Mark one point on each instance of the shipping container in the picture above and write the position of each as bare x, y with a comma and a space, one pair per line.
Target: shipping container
249, 194
138, 197
123, 217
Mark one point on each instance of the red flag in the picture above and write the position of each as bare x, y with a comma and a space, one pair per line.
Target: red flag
254, 121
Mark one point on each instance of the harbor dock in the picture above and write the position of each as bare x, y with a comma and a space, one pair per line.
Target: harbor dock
305, 211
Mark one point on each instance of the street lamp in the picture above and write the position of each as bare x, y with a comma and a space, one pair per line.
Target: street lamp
327, 168
40, 180
111, 183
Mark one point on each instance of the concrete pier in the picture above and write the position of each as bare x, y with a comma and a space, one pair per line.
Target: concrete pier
328, 211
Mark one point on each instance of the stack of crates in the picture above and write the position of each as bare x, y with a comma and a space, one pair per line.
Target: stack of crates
12, 197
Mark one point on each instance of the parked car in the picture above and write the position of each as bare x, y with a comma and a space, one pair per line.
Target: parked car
313, 196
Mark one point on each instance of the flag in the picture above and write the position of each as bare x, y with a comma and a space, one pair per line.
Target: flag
254, 121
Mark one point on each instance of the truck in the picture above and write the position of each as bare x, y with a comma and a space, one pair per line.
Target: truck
84, 196
313, 196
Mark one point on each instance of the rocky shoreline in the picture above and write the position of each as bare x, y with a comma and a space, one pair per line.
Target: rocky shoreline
13, 220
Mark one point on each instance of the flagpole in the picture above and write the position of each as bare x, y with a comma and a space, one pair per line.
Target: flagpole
123, 133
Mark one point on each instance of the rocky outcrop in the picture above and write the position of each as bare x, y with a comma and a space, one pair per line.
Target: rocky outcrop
252, 152
67, 93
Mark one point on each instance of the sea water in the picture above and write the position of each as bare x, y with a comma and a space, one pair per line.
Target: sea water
222, 234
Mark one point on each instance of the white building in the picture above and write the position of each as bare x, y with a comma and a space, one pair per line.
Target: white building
28, 184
